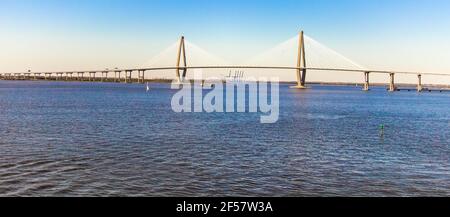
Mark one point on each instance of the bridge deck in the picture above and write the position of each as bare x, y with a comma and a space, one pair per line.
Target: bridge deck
246, 67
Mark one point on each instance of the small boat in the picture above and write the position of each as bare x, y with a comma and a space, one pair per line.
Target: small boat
147, 88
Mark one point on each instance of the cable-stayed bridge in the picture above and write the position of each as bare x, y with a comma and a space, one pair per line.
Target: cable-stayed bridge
309, 55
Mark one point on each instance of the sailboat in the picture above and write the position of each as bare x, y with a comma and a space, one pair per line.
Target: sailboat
147, 88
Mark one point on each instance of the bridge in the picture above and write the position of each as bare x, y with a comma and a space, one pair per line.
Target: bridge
181, 69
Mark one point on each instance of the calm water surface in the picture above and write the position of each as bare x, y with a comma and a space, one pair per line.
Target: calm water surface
103, 139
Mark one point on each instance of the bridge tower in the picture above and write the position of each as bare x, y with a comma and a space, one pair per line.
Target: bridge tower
181, 55
301, 63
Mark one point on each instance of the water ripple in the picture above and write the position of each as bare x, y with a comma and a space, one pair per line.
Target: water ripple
84, 139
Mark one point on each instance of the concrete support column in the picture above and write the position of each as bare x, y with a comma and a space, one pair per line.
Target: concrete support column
117, 78
104, 76
141, 78
419, 84
91, 76
128, 76
303, 83
392, 87
366, 81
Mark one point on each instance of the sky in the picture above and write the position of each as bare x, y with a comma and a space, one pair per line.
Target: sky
51, 35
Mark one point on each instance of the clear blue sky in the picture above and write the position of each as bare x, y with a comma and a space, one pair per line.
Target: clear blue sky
364, 30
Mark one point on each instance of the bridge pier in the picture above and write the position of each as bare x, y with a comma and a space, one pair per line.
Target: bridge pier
115, 76
141, 78
67, 76
91, 76
128, 76
78, 76
392, 87
419, 84
366, 81
104, 75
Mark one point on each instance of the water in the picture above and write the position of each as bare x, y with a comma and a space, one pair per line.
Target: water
101, 139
